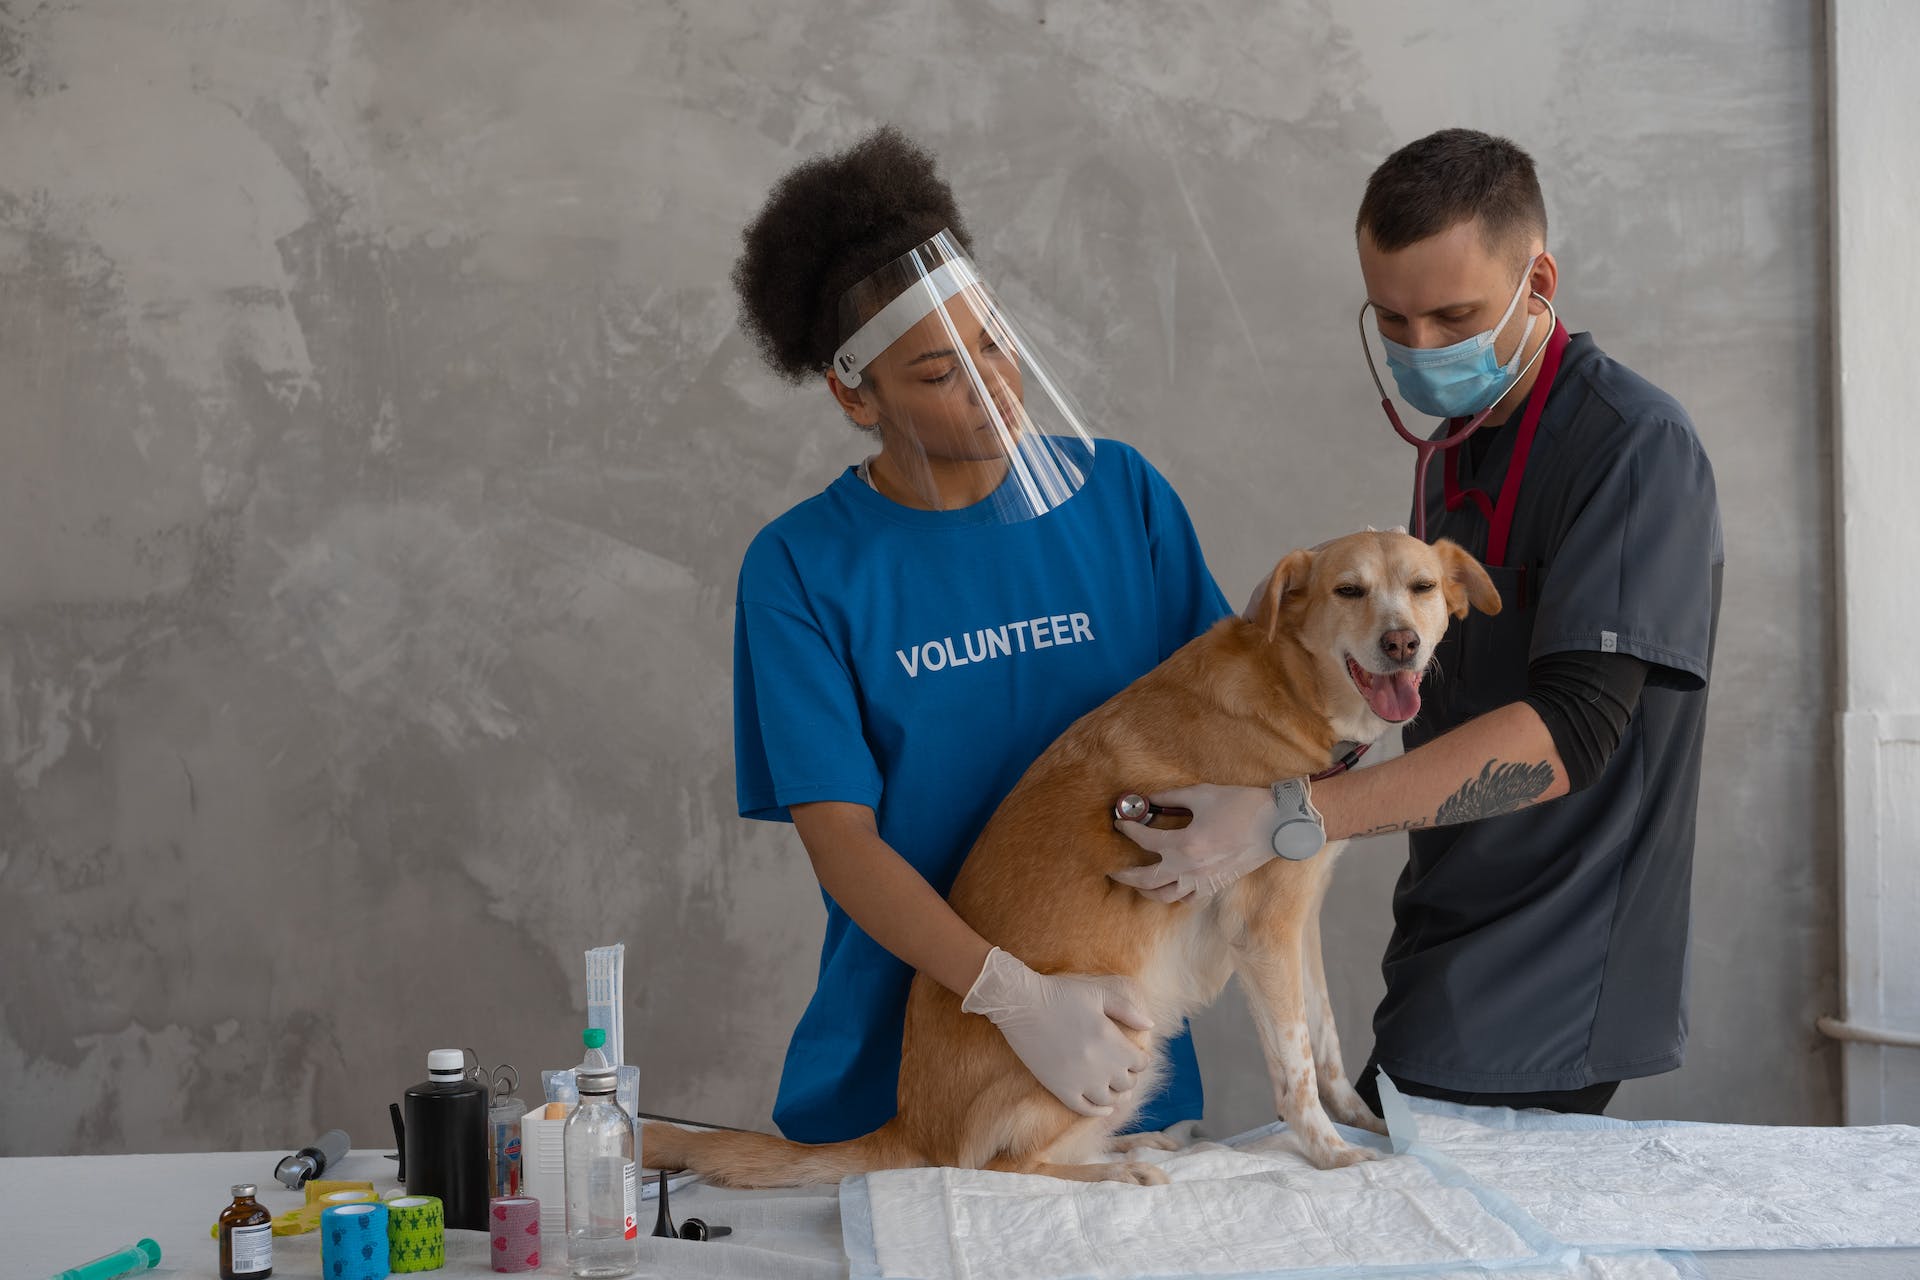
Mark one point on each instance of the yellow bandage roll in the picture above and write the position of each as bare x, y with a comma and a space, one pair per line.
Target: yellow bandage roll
298, 1222
321, 1189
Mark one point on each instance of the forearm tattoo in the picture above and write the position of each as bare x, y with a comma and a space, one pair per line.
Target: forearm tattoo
1500, 788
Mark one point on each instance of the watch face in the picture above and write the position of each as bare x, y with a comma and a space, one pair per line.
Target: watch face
1297, 839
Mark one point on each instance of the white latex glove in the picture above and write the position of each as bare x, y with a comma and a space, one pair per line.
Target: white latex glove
1063, 1026
1231, 834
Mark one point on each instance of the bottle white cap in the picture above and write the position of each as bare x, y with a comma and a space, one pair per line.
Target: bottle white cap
442, 1062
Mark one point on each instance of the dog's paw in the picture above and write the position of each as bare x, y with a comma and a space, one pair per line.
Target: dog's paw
1140, 1175
1344, 1104
1361, 1118
1342, 1156
1155, 1141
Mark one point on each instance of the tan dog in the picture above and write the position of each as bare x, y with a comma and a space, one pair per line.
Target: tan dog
1343, 636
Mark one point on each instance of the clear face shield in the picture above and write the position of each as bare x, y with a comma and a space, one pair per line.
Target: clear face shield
970, 416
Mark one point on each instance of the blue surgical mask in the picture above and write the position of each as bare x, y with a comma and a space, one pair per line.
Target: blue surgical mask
1458, 381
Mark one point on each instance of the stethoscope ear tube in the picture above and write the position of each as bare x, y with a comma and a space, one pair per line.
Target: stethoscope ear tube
1427, 448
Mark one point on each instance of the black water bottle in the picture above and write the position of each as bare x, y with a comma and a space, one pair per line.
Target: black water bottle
446, 1141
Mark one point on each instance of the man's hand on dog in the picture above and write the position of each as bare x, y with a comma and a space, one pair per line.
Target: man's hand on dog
1231, 834
1067, 1029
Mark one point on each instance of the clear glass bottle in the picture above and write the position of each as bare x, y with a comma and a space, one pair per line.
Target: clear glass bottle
603, 1236
246, 1236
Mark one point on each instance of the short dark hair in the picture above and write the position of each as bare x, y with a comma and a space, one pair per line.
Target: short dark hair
1447, 178
826, 226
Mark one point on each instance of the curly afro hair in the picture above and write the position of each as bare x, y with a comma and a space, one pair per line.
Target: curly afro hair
827, 226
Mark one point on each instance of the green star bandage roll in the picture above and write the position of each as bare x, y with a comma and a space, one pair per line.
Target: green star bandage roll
416, 1234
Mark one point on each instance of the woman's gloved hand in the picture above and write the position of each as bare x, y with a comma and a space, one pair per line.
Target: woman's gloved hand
1234, 830
1066, 1029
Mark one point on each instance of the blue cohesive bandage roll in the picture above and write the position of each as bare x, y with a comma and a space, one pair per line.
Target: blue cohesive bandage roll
353, 1241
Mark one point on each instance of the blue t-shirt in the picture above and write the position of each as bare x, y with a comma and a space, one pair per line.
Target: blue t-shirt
917, 662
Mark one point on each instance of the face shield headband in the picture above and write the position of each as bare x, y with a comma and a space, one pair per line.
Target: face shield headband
968, 393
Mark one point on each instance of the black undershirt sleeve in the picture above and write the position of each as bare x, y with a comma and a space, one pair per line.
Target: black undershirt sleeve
1585, 699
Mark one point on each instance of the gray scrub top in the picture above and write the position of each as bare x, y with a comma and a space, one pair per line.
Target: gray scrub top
1546, 949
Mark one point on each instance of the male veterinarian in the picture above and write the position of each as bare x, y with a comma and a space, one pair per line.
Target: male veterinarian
1539, 949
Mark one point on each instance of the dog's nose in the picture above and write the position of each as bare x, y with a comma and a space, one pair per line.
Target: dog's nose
1400, 645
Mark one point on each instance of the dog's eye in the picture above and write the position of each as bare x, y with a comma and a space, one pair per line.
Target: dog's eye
1421, 588
1350, 591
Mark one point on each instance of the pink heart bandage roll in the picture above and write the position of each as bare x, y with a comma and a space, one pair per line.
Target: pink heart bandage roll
514, 1222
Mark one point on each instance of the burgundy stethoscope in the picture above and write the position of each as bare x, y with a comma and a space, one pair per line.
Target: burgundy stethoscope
1499, 515
1134, 807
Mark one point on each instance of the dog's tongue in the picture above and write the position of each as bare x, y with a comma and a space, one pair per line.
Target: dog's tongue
1394, 697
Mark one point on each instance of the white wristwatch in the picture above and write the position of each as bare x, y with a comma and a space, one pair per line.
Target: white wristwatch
1301, 832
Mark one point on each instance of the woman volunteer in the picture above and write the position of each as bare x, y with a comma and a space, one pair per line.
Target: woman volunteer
909, 640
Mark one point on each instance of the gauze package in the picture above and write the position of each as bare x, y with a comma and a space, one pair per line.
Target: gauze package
606, 997
606, 1003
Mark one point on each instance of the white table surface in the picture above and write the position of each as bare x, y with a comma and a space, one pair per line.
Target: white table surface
57, 1212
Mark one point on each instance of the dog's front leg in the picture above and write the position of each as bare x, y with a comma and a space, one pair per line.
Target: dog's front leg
1337, 1093
1274, 983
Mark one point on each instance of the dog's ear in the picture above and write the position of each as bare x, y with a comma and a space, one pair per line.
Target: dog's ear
1289, 576
1466, 582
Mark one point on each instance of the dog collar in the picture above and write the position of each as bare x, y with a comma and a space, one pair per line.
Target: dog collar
1347, 758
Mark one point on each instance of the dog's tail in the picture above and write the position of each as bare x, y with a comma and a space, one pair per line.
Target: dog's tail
729, 1159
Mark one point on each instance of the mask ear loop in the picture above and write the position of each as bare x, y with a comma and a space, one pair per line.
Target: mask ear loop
1425, 449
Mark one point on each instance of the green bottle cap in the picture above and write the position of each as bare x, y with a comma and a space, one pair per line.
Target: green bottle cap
594, 1037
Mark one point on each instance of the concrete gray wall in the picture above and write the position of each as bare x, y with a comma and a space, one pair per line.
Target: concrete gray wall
377, 450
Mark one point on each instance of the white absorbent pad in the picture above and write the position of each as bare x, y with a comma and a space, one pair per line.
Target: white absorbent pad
1220, 1217
1526, 1195
1603, 1183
